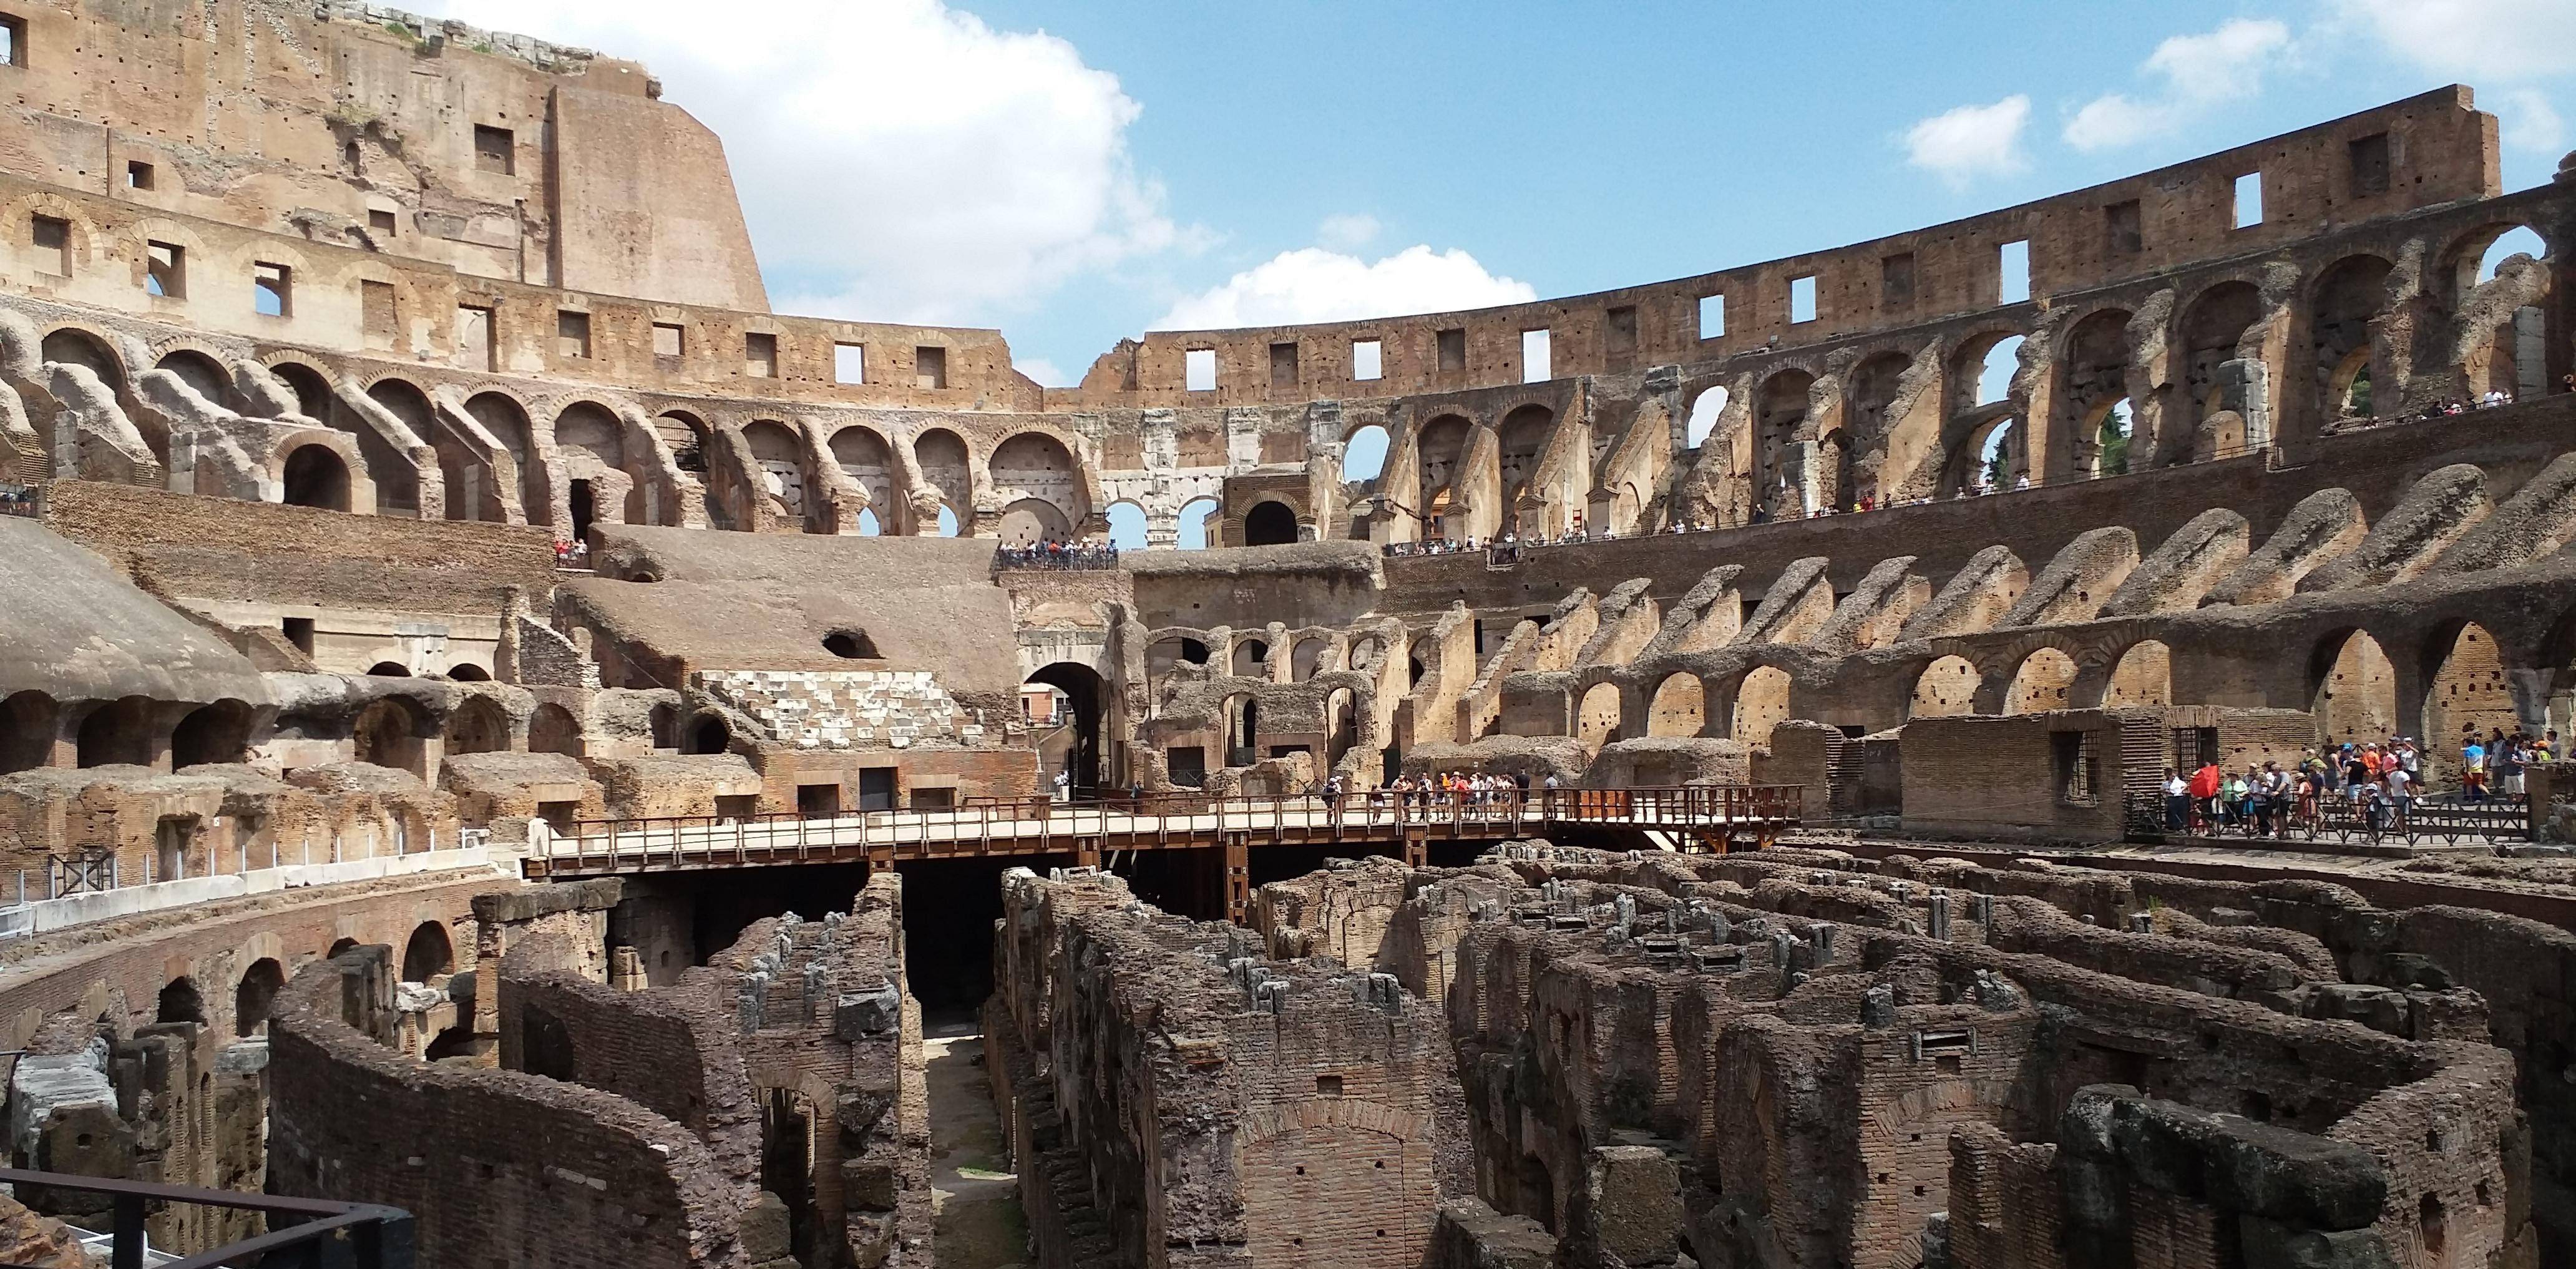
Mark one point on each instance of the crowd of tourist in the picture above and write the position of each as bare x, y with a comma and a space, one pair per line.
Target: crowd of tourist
2381, 783
1051, 553
17, 500
2487, 400
572, 554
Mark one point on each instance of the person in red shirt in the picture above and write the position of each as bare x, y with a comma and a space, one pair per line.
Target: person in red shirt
2204, 790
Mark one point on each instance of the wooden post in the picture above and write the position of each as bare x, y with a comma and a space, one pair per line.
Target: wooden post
1238, 879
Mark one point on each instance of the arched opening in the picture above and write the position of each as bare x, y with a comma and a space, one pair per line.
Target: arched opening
1305, 657
1680, 707
553, 729
202, 374
940, 456
664, 721
866, 458
851, 644
1993, 458
1414, 667
338, 946
1996, 369
1126, 526
312, 390
1518, 444
389, 670
2092, 373
2221, 372
387, 734
118, 734
1037, 480
29, 722
1269, 524
1436, 451
2111, 440
1034, 520
256, 996
214, 733
315, 476
1596, 716
869, 525
1242, 731
396, 476
1162, 654
2354, 687
1196, 516
1780, 413
1706, 409
2466, 694
707, 734
1946, 688
71, 346
1364, 454
787, 1159
2349, 296
502, 417
1078, 755
1341, 725
779, 451
2521, 240
1875, 386
468, 672
478, 726
2041, 683
180, 1002
428, 953
1251, 658
1761, 704
2143, 676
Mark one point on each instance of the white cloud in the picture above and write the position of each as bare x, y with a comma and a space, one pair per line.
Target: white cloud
1042, 370
2472, 39
2200, 74
1347, 232
1967, 142
897, 159
2531, 122
1315, 285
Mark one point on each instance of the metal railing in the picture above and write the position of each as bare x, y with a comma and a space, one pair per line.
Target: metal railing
2335, 817
1064, 557
355, 1235
1038, 825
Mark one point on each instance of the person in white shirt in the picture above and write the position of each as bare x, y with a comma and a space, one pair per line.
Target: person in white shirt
2177, 801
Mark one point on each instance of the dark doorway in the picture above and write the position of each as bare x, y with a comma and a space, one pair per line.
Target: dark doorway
1082, 685
876, 788
582, 510
1269, 524
818, 799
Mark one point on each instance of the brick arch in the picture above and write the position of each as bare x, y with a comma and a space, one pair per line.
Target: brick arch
1330, 1112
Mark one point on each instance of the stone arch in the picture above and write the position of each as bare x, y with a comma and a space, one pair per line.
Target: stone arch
590, 450
506, 420
2468, 690
428, 953
2109, 433
180, 1001
2346, 300
1306, 656
2218, 373
553, 729
394, 472
1679, 707
387, 734
79, 346
1242, 730
1946, 688
479, 725
946, 467
310, 384
779, 451
2490, 351
315, 476
1521, 441
1875, 383
119, 733
1780, 416
1364, 453
1341, 724
1994, 454
1250, 657
1761, 704
2092, 371
2352, 688
864, 455
1982, 367
2142, 676
203, 374
1036, 466
1269, 523
255, 996
1437, 450
29, 723
2041, 682
1706, 409
1596, 715
218, 732
1193, 532
1034, 520
707, 733
469, 672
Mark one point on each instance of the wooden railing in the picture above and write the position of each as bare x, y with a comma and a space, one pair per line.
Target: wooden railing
1166, 821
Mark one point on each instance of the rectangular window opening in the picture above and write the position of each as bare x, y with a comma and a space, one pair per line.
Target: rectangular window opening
1802, 299
1896, 280
1712, 316
495, 150
138, 175
299, 631
2126, 233
849, 363
670, 339
272, 288
1283, 365
1619, 334
376, 318
1198, 369
165, 269
474, 346
52, 237
2077, 766
930, 366
13, 41
2249, 200
381, 220
1368, 360
572, 334
760, 355
1453, 348
2369, 157
1535, 356
2012, 272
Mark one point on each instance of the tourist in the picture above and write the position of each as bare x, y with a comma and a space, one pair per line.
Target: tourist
2508, 766
2473, 770
2206, 785
2177, 801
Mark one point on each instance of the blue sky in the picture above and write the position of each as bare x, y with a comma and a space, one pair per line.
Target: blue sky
1075, 174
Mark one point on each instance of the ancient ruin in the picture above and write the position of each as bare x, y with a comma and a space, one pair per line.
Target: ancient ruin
512, 750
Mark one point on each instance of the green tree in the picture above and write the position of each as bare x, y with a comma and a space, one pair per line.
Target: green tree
2111, 457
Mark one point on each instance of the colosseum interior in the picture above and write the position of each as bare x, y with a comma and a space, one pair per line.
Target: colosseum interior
513, 753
